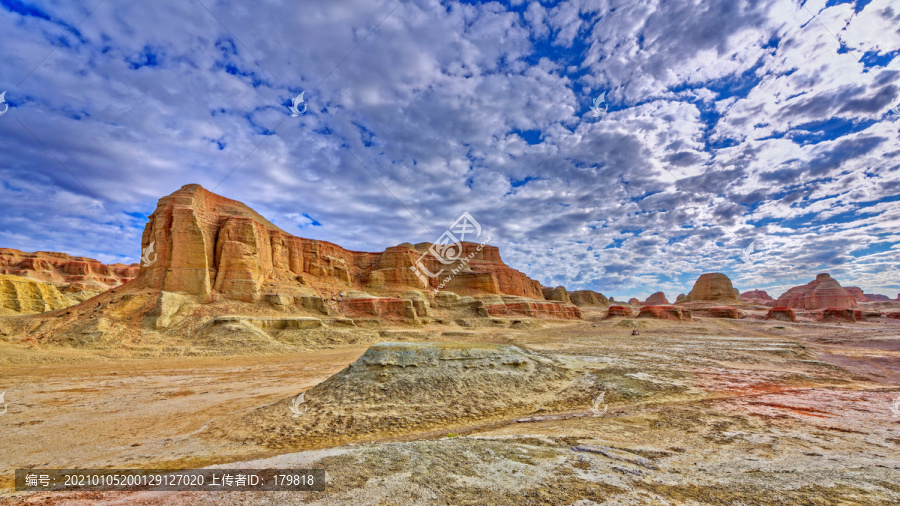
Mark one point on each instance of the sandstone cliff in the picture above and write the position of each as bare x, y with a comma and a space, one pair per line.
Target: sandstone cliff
210, 246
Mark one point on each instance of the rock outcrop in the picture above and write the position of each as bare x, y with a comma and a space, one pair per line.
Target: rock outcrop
19, 296
588, 298
719, 312
874, 297
713, 286
681, 298
559, 293
833, 314
634, 302
857, 293
781, 313
823, 292
756, 296
79, 277
657, 299
211, 246
665, 312
618, 311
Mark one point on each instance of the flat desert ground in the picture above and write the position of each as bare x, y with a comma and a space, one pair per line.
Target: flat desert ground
710, 411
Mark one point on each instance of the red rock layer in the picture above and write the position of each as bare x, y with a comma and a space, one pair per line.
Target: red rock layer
657, 299
839, 314
824, 292
723, 312
782, 313
535, 309
209, 245
381, 307
895, 315
665, 312
618, 311
874, 297
68, 273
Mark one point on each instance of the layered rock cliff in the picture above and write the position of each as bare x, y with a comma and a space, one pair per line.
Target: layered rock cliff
211, 246
69, 274
823, 292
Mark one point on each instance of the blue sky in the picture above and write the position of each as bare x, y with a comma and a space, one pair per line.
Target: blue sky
753, 138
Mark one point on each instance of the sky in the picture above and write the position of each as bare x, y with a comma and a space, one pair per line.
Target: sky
620, 146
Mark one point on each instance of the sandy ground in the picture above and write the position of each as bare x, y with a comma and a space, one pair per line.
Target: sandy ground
709, 412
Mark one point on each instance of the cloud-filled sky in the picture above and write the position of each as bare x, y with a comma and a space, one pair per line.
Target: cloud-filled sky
754, 138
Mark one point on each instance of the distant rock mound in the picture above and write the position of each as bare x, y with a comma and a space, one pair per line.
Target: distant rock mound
634, 302
657, 299
559, 293
588, 298
713, 286
757, 296
857, 293
874, 297
681, 298
823, 292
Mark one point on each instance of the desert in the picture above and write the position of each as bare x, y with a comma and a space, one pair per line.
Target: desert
449, 252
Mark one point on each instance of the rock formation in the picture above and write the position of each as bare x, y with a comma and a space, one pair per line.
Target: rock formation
427, 386
657, 299
756, 296
876, 297
210, 246
79, 277
681, 298
823, 292
634, 302
857, 293
781, 313
618, 311
713, 286
665, 312
719, 312
19, 295
834, 314
588, 298
559, 293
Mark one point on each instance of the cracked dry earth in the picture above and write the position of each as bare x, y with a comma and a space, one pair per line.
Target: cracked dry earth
703, 412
